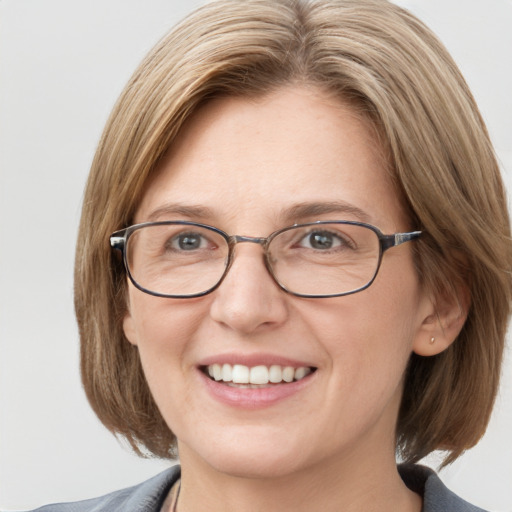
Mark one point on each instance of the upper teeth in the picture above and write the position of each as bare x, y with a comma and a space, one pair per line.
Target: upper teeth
240, 374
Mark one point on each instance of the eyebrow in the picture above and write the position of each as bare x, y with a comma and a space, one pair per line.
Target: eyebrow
303, 210
169, 210
290, 215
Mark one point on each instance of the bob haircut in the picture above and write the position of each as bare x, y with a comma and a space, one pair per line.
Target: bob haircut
391, 69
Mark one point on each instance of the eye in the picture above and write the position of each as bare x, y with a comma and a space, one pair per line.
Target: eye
323, 240
188, 242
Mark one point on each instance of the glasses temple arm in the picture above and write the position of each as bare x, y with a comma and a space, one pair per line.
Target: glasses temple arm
389, 241
117, 242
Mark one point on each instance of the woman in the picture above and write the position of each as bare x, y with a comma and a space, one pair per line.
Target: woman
308, 268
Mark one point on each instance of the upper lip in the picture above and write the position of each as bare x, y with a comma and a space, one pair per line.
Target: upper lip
252, 360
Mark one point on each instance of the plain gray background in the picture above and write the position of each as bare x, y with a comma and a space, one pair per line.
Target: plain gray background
62, 65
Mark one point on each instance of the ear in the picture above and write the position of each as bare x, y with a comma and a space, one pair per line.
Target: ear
129, 328
443, 322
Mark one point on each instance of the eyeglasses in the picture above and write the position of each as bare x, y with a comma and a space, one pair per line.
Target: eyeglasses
181, 259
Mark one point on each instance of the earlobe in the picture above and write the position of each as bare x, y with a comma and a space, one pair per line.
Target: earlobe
442, 325
129, 328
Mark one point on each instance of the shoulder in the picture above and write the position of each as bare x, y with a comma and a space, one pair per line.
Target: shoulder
150, 495
145, 497
436, 496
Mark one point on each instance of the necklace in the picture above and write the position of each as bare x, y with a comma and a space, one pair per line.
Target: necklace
170, 503
176, 496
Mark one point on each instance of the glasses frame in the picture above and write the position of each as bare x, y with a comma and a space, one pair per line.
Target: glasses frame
119, 241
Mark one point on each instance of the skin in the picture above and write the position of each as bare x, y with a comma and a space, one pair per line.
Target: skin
329, 446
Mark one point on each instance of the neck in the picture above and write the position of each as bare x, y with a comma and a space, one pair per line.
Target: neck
347, 485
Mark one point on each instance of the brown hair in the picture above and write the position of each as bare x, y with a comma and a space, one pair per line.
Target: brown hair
380, 58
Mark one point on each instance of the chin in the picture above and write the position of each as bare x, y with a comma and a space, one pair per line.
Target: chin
255, 466
248, 456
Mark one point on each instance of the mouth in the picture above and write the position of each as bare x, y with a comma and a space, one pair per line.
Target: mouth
261, 376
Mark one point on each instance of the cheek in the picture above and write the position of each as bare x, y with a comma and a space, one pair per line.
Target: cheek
367, 338
165, 338
375, 320
164, 330
162, 324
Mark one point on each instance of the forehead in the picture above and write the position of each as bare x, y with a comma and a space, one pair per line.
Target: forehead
240, 158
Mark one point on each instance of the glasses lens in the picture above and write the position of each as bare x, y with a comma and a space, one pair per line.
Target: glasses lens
325, 259
176, 259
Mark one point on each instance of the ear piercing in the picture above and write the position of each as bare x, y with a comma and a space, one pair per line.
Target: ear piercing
432, 340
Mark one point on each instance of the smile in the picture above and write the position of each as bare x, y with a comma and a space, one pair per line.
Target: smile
244, 376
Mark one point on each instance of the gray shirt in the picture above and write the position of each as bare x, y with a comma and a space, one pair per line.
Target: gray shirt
150, 495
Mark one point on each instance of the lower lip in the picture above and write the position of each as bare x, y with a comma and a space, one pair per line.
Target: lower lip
254, 398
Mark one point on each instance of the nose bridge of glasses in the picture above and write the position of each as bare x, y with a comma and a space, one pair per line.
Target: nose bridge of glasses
236, 239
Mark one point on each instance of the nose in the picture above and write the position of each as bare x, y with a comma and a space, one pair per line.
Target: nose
248, 300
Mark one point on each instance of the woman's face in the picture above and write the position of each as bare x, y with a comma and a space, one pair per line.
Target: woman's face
248, 167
